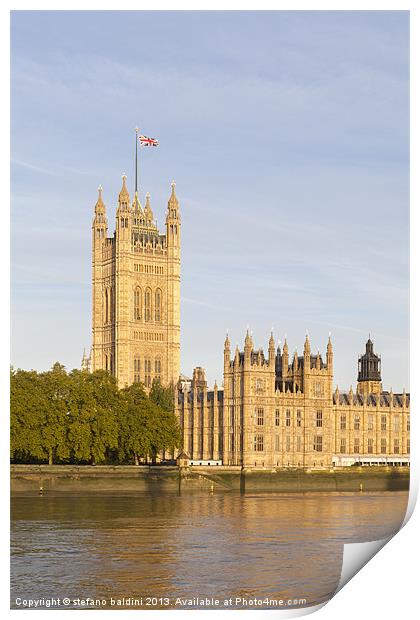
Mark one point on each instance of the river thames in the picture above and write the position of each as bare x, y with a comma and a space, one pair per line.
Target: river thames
170, 550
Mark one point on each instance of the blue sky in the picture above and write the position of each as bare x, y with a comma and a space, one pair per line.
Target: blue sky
288, 136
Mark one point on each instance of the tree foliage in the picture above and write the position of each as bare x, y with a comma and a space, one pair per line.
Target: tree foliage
162, 396
81, 417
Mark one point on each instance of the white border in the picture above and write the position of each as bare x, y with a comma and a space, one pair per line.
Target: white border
387, 585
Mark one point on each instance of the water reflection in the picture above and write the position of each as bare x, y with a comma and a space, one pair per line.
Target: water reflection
222, 545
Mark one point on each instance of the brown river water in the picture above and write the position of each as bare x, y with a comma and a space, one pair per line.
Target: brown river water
157, 550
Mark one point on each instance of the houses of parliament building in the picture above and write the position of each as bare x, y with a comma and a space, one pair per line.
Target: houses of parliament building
274, 409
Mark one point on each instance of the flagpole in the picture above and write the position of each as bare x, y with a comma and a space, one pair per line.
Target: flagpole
137, 131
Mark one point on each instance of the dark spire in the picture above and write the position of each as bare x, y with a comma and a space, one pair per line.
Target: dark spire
369, 364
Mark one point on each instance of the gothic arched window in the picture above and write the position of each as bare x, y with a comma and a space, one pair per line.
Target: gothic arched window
147, 373
111, 304
106, 302
137, 303
158, 305
158, 368
148, 305
137, 378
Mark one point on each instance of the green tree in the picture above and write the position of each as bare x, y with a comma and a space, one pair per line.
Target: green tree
145, 427
93, 412
82, 417
133, 441
27, 416
162, 396
55, 385
163, 430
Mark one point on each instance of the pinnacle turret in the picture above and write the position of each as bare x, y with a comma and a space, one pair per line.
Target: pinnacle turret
329, 355
136, 206
337, 395
173, 200
248, 341
329, 345
148, 213
124, 196
173, 222
86, 361
99, 206
172, 215
237, 355
100, 223
307, 346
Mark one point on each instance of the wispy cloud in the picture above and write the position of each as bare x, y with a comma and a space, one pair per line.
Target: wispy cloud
35, 168
56, 170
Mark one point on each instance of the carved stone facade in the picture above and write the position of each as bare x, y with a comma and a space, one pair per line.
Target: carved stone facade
281, 412
136, 292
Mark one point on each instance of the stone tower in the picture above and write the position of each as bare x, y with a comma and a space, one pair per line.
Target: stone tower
136, 292
369, 375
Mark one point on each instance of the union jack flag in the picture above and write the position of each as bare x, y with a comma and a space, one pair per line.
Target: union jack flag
145, 141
